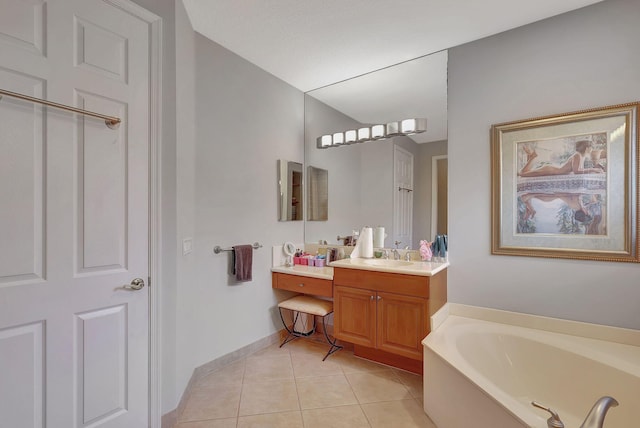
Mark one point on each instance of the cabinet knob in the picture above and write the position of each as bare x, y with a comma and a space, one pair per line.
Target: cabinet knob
300, 285
379, 298
371, 297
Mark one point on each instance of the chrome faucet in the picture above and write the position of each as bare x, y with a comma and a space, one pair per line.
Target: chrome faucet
595, 418
396, 254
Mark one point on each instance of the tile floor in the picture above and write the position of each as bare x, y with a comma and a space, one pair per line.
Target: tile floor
292, 387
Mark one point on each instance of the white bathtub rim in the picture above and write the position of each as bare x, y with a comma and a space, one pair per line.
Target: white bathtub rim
490, 390
607, 333
603, 351
621, 356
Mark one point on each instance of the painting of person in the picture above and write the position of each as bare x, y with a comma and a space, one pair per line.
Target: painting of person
562, 185
574, 164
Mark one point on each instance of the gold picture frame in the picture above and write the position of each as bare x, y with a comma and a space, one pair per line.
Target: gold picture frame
566, 186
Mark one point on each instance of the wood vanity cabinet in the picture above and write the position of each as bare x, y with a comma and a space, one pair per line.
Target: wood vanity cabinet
386, 314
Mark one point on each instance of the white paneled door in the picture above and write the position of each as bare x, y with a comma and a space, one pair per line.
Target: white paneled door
74, 216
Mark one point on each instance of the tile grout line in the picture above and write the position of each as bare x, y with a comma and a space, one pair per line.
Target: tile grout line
244, 370
355, 395
295, 383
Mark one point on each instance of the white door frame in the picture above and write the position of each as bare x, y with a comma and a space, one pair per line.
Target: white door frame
434, 193
155, 195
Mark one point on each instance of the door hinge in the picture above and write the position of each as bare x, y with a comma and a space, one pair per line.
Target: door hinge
148, 281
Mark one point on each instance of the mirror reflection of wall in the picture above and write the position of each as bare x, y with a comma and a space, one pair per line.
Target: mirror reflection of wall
318, 191
290, 183
362, 189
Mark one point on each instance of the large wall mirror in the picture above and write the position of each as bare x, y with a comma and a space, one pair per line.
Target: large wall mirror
369, 184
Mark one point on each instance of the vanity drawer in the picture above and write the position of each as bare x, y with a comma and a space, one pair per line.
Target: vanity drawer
410, 285
302, 284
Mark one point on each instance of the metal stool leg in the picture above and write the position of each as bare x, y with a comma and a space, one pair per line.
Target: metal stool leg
333, 342
292, 334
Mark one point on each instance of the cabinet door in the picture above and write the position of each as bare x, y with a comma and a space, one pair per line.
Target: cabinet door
354, 318
402, 324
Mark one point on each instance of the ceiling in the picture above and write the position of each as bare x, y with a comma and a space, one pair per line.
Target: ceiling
310, 44
313, 44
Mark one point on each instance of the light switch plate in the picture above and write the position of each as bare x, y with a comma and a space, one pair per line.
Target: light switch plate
187, 246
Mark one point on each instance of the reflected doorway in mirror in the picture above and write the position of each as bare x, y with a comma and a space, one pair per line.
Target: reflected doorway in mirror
318, 191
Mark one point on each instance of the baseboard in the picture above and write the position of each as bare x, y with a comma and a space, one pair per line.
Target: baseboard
170, 419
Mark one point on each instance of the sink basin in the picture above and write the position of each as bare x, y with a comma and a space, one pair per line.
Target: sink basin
384, 262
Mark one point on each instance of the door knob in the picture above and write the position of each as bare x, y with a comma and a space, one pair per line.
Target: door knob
136, 284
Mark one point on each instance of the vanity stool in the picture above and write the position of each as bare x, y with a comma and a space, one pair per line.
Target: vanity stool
312, 306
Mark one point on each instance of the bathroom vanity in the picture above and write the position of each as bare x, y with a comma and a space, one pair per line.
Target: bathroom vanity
382, 307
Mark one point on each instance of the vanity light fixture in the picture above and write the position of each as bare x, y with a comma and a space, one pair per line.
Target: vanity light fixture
378, 132
413, 126
375, 132
338, 138
324, 141
350, 136
364, 134
393, 129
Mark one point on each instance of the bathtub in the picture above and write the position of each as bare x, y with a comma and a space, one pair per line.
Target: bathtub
483, 367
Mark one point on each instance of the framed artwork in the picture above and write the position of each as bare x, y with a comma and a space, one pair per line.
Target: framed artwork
566, 186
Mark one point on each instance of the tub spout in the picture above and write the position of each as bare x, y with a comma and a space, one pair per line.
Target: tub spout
554, 421
595, 418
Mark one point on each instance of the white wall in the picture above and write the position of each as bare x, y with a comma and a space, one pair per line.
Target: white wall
343, 164
243, 121
185, 176
225, 123
583, 59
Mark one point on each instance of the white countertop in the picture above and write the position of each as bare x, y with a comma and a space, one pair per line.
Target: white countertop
392, 266
302, 270
380, 265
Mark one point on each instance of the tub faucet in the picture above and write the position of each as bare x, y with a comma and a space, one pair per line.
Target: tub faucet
554, 421
595, 418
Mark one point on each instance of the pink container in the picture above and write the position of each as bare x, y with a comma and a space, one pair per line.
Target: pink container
320, 262
311, 261
303, 261
296, 260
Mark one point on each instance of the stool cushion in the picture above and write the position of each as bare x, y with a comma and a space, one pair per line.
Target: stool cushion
308, 305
